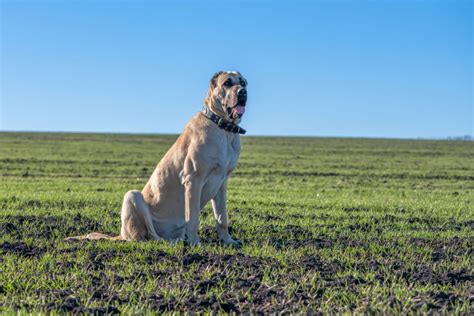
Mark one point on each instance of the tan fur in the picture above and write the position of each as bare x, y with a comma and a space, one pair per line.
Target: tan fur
193, 172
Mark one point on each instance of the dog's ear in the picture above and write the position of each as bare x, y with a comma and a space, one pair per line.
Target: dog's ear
212, 85
214, 79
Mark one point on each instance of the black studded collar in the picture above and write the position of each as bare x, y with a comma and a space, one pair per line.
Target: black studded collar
223, 123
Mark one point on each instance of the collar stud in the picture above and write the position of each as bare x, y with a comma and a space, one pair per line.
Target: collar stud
222, 123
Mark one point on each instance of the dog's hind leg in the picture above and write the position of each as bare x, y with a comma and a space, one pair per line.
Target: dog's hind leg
137, 223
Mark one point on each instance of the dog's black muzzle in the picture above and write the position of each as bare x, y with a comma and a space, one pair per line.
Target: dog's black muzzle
242, 97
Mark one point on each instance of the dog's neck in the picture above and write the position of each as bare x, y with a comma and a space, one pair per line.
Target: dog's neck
217, 110
222, 122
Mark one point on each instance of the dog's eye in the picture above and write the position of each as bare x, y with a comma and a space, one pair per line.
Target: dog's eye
228, 83
242, 83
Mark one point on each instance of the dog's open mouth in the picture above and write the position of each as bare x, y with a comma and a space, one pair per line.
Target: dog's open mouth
237, 103
236, 111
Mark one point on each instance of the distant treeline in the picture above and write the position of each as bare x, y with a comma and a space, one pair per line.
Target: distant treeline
465, 137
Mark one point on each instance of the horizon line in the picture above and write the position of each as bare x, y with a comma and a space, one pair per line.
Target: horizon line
466, 137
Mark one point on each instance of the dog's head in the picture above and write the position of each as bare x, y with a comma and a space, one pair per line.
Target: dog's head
227, 95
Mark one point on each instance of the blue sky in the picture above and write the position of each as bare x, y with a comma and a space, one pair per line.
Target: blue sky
322, 68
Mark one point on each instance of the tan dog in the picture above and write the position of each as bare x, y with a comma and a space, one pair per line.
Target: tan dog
193, 172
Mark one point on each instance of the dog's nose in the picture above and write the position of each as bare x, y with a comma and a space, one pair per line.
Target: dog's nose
242, 94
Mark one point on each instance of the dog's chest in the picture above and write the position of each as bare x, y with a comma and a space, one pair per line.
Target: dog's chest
233, 152
220, 170
228, 157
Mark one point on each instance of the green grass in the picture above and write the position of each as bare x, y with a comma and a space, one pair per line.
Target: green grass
328, 225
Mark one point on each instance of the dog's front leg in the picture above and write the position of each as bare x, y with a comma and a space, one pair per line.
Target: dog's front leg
193, 188
219, 205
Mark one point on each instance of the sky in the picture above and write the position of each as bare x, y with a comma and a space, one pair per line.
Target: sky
398, 69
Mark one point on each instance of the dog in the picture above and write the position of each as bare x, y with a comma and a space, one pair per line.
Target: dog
193, 172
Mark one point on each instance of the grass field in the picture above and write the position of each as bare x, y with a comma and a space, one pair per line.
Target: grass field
328, 225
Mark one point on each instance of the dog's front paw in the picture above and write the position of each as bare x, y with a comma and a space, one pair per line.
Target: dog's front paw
192, 242
177, 241
231, 242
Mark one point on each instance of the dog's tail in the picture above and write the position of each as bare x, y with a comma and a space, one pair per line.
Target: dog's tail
93, 236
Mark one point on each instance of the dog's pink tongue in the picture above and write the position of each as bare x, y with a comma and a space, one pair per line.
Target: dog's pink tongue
239, 109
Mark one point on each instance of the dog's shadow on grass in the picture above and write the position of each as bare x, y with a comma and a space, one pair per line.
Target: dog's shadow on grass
50, 227
280, 237
20, 227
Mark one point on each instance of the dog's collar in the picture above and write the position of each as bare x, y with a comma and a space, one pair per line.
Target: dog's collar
222, 123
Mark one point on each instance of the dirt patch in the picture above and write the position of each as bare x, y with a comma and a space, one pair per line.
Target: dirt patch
20, 248
280, 237
242, 279
248, 277
426, 275
443, 249
241, 260
47, 227
191, 304
73, 305
7, 228
355, 209
325, 268
438, 224
438, 301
